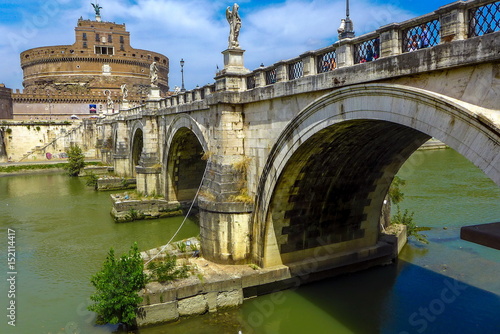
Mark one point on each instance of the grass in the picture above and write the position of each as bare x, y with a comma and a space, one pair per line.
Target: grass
18, 168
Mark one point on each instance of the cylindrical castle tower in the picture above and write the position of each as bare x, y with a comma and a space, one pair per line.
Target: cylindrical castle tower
100, 60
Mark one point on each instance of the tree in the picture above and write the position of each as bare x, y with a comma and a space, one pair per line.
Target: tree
76, 160
117, 285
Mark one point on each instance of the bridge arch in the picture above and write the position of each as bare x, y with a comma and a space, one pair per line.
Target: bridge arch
326, 177
183, 160
136, 145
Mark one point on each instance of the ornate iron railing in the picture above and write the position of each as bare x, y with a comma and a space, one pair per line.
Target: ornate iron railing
250, 82
421, 36
484, 19
295, 70
271, 76
326, 62
367, 51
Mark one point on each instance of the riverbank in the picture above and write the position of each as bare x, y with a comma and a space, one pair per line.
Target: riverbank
38, 167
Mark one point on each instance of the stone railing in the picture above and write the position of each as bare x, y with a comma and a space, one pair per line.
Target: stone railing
457, 21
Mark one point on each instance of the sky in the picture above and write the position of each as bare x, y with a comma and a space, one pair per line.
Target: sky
196, 30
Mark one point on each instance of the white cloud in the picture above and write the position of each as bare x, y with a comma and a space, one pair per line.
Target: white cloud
196, 30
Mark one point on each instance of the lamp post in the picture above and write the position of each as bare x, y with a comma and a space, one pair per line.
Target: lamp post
182, 75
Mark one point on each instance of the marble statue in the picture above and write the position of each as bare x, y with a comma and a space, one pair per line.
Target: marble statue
234, 20
124, 92
153, 74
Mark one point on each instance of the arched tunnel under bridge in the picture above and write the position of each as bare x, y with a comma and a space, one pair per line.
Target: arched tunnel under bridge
324, 184
185, 166
332, 188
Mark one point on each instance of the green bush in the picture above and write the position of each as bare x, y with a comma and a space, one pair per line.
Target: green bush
91, 180
76, 160
167, 270
412, 230
117, 284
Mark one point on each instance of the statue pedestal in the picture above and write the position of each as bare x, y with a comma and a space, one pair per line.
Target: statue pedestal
154, 94
233, 62
125, 105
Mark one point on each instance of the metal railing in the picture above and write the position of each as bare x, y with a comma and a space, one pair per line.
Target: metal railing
367, 51
295, 70
250, 82
484, 19
421, 36
326, 62
270, 76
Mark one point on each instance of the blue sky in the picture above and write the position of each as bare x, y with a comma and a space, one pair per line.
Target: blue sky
196, 30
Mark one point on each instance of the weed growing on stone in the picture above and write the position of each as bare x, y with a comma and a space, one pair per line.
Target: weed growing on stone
167, 269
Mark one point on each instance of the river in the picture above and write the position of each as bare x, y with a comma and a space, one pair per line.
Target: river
63, 231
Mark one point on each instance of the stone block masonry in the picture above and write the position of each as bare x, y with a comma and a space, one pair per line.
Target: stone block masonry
125, 209
215, 287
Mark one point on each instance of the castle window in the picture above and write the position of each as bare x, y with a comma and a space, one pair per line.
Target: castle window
110, 38
97, 39
104, 50
122, 39
85, 45
122, 48
84, 37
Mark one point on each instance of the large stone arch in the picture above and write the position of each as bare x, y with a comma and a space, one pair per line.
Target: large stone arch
136, 145
327, 175
182, 158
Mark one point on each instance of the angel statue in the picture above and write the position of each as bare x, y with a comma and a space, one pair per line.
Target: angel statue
153, 74
124, 92
234, 20
97, 8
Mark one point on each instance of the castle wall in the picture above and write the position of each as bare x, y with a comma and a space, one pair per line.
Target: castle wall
32, 140
5, 102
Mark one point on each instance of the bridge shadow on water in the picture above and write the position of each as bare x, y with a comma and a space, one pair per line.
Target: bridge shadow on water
403, 298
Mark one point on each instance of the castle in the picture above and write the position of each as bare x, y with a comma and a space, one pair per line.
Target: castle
96, 74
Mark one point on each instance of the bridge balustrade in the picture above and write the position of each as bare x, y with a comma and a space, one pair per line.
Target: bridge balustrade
459, 20
326, 61
251, 82
484, 19
295, 69
421, 35
367, 50
270, 76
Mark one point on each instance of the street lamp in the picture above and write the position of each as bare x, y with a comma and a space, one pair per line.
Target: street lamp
182, 74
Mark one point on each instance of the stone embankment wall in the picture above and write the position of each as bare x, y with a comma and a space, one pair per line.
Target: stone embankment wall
214, 287
42, 141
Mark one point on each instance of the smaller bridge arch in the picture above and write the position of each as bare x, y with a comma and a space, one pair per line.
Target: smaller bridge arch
183, 160
136, 145
326, 177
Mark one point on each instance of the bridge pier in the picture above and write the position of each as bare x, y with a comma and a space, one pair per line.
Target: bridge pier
148, 172
121, 159
225, 206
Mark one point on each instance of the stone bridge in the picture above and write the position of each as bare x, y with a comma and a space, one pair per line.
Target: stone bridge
295, 159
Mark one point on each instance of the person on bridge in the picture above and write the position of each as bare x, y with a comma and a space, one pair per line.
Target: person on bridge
424, 37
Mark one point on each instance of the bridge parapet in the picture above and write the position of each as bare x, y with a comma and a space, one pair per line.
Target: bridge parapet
457, 21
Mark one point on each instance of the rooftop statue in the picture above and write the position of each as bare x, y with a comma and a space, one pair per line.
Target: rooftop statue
97, 8
234, 20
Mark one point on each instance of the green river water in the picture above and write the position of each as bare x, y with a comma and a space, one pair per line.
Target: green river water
63, 231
